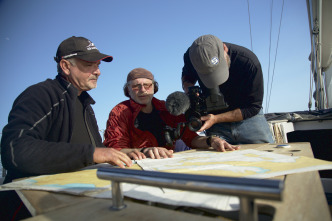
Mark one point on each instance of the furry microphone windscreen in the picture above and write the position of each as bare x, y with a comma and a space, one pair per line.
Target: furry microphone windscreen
177, 103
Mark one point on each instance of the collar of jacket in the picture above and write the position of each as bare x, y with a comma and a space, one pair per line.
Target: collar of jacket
72, 91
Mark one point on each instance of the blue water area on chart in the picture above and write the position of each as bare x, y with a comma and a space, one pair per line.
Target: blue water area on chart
69, 185
72, 185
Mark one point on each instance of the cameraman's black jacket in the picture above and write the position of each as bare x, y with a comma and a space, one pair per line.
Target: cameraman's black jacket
244, 88
36, 139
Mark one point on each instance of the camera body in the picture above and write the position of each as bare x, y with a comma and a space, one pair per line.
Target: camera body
201, 105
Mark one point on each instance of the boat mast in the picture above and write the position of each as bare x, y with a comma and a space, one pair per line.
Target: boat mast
319, 57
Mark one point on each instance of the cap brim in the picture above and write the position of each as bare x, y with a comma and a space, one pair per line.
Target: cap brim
217, 77
94, 57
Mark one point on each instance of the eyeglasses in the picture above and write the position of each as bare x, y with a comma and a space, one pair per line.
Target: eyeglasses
137, 87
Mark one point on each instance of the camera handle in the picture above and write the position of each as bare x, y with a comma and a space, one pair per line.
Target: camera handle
214, 95
215, 101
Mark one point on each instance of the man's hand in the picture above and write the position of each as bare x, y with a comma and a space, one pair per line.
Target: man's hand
221, 145
157, 152
229, 116
136, 155
111, 156
209, 121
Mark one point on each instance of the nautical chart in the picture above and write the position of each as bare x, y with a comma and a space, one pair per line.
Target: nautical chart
242, 163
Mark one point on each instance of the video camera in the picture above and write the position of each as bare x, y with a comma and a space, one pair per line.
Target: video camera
201, 105
194, 105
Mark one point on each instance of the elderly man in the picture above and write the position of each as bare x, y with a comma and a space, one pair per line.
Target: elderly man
137, 126
52, 127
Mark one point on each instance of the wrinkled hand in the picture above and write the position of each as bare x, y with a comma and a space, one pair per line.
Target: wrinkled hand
111, 156
221, 145
209, 121
136, 155
158, 152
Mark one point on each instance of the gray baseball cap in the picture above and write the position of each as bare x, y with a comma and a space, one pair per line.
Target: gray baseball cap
207, 56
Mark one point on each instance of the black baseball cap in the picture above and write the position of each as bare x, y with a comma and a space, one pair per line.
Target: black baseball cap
207, 56
82, 48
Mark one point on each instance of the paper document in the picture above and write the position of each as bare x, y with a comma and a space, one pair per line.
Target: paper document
241, 163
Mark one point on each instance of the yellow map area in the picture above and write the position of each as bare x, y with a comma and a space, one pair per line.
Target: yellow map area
88, 177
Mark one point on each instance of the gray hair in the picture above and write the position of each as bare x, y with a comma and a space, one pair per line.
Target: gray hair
71, 60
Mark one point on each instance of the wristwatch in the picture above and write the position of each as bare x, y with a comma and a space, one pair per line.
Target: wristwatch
209, 140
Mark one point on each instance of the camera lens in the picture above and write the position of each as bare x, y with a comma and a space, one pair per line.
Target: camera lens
195, 124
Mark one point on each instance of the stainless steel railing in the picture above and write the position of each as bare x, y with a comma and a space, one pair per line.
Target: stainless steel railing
246, 189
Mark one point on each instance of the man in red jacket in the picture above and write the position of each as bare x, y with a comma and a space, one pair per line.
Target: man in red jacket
137, 126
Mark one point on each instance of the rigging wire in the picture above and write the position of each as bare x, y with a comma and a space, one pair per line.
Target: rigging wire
252, 49
268, 69
276, 53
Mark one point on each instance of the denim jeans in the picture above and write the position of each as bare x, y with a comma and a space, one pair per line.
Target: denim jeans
249, 131
180, 146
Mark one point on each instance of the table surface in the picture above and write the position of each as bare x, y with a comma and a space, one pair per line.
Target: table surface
303, 199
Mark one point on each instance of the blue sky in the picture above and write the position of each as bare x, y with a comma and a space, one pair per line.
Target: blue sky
153, 34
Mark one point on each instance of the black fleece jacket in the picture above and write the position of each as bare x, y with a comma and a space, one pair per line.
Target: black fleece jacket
36, 139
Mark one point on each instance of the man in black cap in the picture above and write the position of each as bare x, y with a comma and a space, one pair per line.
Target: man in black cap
52, 127
236, 72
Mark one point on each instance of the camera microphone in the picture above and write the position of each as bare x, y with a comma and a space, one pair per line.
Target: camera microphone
177, 103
